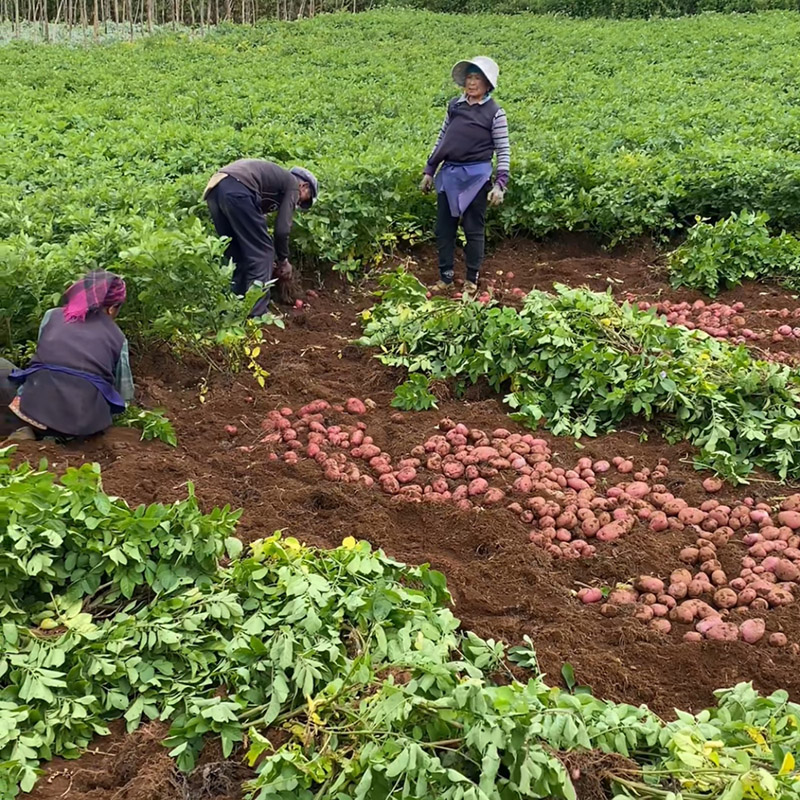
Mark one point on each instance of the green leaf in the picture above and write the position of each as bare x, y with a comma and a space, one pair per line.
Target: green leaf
233, 546
568, 674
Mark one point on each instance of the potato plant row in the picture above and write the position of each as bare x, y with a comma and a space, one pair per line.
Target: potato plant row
106, 153
570, 513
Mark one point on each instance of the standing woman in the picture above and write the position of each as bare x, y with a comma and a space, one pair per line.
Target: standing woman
80, 374
474, 130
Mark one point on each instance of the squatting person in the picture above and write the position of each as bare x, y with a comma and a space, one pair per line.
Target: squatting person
80, 374
238, 197
474, 130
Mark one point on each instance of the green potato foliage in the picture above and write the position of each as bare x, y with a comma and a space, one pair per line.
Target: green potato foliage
739, 247
619, 128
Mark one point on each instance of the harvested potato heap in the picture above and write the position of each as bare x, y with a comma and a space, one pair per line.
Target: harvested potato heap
572, 512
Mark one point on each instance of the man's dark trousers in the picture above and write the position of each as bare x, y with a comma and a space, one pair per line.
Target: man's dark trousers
236, 213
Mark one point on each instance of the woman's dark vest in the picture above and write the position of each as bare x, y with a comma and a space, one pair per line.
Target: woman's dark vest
65, 403
468, 138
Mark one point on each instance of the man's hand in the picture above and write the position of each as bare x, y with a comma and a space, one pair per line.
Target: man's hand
427, 184
496, 196
283, 270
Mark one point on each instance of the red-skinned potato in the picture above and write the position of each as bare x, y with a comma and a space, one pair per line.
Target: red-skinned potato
493, 497
698, 588
622, 597
787, 571
659, 610
777, 639
389, 484
610, 532
705, 610
660, 625
725, 598
689, 555
724, 632
637, 490
719, 578
707, 623
791, 519
707, 553
680, 576
683, 613
590, 527
752, 630
647, 599
678, 590
780, 597
479, 486
647, 583
673, 507
589, 595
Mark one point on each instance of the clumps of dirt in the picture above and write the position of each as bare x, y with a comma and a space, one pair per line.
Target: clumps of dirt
137, 766
218, 780
134, 767
591, 772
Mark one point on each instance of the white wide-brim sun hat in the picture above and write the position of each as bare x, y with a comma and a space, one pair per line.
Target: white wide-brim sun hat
485, 64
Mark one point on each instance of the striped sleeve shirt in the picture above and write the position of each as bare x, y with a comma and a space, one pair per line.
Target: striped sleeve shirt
502, 146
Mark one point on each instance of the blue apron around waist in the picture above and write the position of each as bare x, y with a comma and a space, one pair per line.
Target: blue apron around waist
110, 394
461, 183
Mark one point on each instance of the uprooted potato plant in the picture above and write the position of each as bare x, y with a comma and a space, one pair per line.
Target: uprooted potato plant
580, 364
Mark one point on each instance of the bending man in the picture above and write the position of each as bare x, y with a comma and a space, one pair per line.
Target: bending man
238, 197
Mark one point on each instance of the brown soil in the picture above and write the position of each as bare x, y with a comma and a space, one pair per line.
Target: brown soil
503, 586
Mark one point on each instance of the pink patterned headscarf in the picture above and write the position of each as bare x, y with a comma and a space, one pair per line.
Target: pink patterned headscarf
98, 289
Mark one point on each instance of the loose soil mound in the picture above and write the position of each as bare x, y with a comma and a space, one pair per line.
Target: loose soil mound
504, 587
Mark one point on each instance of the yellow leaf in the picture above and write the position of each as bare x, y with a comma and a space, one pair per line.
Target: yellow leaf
290, 543
756, 735
348, 543
256, 352
788, 765
261, 381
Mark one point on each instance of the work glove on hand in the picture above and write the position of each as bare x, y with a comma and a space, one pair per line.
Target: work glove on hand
496, 196
427, 184
283, 271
